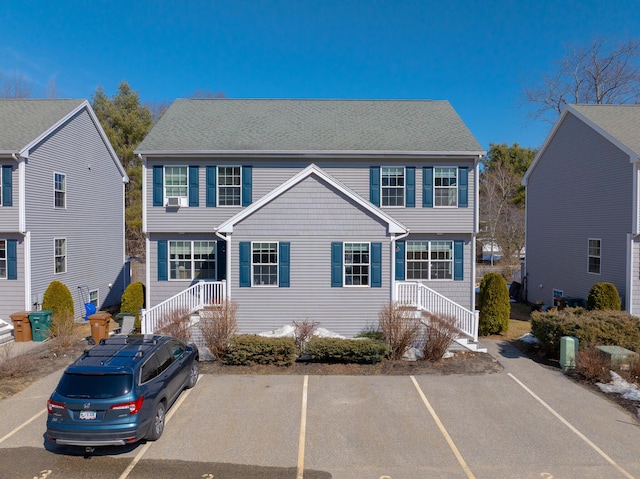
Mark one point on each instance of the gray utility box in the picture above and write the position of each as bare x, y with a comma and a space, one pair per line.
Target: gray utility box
619, 357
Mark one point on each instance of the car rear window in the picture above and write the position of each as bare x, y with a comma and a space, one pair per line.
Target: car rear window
94, 386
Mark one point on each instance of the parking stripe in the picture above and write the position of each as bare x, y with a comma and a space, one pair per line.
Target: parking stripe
443, 431
572, 428
303, 428
29, 421
146, 447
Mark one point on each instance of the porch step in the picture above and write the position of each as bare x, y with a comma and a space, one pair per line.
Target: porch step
6, 331
471, 345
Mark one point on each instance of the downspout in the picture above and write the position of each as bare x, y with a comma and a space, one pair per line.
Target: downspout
147, 243
228, 262
476, 228
393, 264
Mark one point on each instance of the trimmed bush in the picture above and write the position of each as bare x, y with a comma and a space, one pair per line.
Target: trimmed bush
249, 350
603, 296
335, 350
400, 328
58, 299
493, 302
592, 328
218, 326
133, 300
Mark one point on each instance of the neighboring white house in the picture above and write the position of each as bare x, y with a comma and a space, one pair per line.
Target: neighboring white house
61, 205
582, 222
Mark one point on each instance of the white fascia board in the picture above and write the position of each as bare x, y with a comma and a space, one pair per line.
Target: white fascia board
314, 153
394, 226
24, 152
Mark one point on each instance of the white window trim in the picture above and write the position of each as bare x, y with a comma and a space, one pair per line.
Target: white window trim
66, 255
6, 260
64, 191
452, 261
404, 188
192, 260
589, 256
344, 265
183, 200
218, 203
435, 188
97, 300
277, 264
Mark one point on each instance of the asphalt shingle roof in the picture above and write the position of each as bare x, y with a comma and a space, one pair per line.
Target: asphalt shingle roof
620, 121
243, 125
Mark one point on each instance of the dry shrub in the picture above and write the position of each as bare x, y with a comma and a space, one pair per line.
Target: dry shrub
303, 332
218, 329
592, 365
176, 324
440, 332
399, 328
63, 332
14, 367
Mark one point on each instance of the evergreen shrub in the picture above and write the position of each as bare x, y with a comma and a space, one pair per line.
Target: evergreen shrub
493, 302
133, 299
603, 296
57, 298
249, 350
335, 350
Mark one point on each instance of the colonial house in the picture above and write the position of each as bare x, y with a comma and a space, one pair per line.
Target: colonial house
61, 205
582, 222
318, 210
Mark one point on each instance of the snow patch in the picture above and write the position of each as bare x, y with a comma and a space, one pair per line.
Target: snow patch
528, 338
619, 386
289, 331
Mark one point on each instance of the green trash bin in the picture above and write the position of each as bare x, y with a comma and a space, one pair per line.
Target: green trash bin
40, 324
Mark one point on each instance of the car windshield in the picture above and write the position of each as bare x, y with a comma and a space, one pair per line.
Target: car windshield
94, 386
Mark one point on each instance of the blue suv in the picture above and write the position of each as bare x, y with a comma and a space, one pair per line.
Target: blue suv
117, 392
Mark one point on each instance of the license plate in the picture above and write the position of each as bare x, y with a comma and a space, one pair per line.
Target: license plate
87, 414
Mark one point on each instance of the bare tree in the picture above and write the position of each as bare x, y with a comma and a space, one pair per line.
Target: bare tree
16, 85
598, 74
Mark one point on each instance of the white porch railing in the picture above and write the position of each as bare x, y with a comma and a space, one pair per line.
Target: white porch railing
425, 299
191, 299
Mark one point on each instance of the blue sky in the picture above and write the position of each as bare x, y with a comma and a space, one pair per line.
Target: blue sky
479, 55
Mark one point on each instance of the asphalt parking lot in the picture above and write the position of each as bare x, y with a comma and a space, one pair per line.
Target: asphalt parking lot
526, 422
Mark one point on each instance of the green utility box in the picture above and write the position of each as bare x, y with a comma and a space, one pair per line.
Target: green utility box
568, 352
40, 324
620, 357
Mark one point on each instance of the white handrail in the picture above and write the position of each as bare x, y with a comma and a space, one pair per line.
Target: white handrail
191, 299
425, 299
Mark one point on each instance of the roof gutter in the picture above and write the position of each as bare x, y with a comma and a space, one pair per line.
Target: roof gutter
312, 153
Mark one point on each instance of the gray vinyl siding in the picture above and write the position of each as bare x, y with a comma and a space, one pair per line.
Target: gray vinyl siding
268, 174
12, 292
9, 217
92, 222
310, 216
581, 188
635, 278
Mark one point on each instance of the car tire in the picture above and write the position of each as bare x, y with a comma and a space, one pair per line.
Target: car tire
193, 374
157, 423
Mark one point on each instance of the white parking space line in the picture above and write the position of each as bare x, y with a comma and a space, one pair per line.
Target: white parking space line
443, 431
572, 428
303, 428
146, 447
7, 436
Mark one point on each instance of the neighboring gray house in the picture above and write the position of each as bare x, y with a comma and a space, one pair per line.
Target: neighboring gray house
61, 205
582, 206
319, 210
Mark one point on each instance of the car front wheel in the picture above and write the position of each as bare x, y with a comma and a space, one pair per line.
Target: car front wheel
193, 375
157, 425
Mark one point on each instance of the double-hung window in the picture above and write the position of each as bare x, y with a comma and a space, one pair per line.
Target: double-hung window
60, 255
393, 184
427, 260
176, 184
445, 187
59, 190
264, 264
3, 259
356, 264
192, 260
594, 256
229, 186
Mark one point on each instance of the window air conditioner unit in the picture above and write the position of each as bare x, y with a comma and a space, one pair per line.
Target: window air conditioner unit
174, 201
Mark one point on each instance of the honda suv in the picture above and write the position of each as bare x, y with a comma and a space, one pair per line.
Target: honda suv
117, 392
